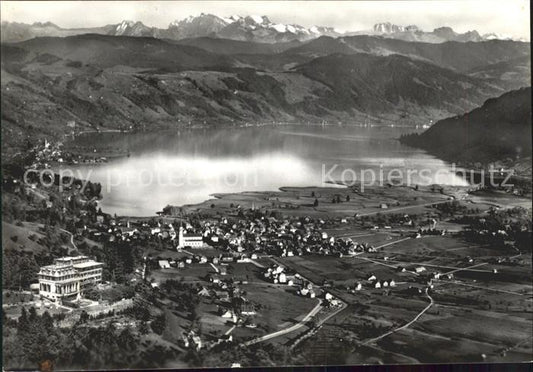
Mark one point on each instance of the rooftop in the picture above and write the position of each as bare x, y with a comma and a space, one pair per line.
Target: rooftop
83, 265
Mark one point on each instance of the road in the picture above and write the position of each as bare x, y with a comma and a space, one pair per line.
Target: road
384, 264
292, 328
382, 211
453, 268
486, 288
71, 238
391, 243
230, 330
469, 268
431, 303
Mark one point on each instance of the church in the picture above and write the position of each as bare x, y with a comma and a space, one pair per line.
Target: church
189, 240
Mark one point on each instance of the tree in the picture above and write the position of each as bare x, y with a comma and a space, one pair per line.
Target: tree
159, 323
347, 198
48, 321
23, 323
143, 328
84, 317
315, 204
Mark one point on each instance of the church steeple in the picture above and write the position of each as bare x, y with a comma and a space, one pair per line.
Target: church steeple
181, 241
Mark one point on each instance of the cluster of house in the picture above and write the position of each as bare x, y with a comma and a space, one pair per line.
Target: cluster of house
232, 303
246, 234
281, 238
237, 309
108, 229
191, 340
374, 282
430, 231
47, 152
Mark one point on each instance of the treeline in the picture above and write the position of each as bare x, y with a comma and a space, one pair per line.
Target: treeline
511, 227
33, 339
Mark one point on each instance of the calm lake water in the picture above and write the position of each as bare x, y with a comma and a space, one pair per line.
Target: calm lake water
187, 167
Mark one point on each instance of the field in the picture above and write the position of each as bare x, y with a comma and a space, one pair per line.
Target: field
298, 201
277, 306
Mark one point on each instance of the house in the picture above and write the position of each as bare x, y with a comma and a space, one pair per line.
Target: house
204, 292
383, 206
282, 278
197, 342
247, 308
226, 313
392, 283
358, 287
377, 285
312, 294
164, 264
328, 296
223, 270
372, 278
420, 269
214, 279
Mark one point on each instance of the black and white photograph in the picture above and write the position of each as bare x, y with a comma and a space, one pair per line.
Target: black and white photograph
240, 184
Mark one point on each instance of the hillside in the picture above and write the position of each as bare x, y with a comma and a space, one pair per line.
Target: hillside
136, 83
108, 51
511, 74
393, 83
499, 129
230, 47
458, 56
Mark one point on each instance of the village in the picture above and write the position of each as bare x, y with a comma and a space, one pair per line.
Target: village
278, 268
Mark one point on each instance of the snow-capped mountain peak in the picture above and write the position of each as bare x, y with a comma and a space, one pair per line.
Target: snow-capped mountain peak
123, 26
260, 19
387, 28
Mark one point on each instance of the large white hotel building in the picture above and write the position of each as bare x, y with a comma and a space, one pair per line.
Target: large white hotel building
67, 277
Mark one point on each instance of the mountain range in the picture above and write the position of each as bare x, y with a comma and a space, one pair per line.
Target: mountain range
247, 28
211, 71
438, 35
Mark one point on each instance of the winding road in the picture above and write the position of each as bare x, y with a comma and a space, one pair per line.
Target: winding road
71, 238
431, 303
292, 328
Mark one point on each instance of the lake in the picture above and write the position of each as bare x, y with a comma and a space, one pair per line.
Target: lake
188, 166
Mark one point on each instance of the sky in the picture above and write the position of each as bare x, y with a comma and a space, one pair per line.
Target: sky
504, 17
